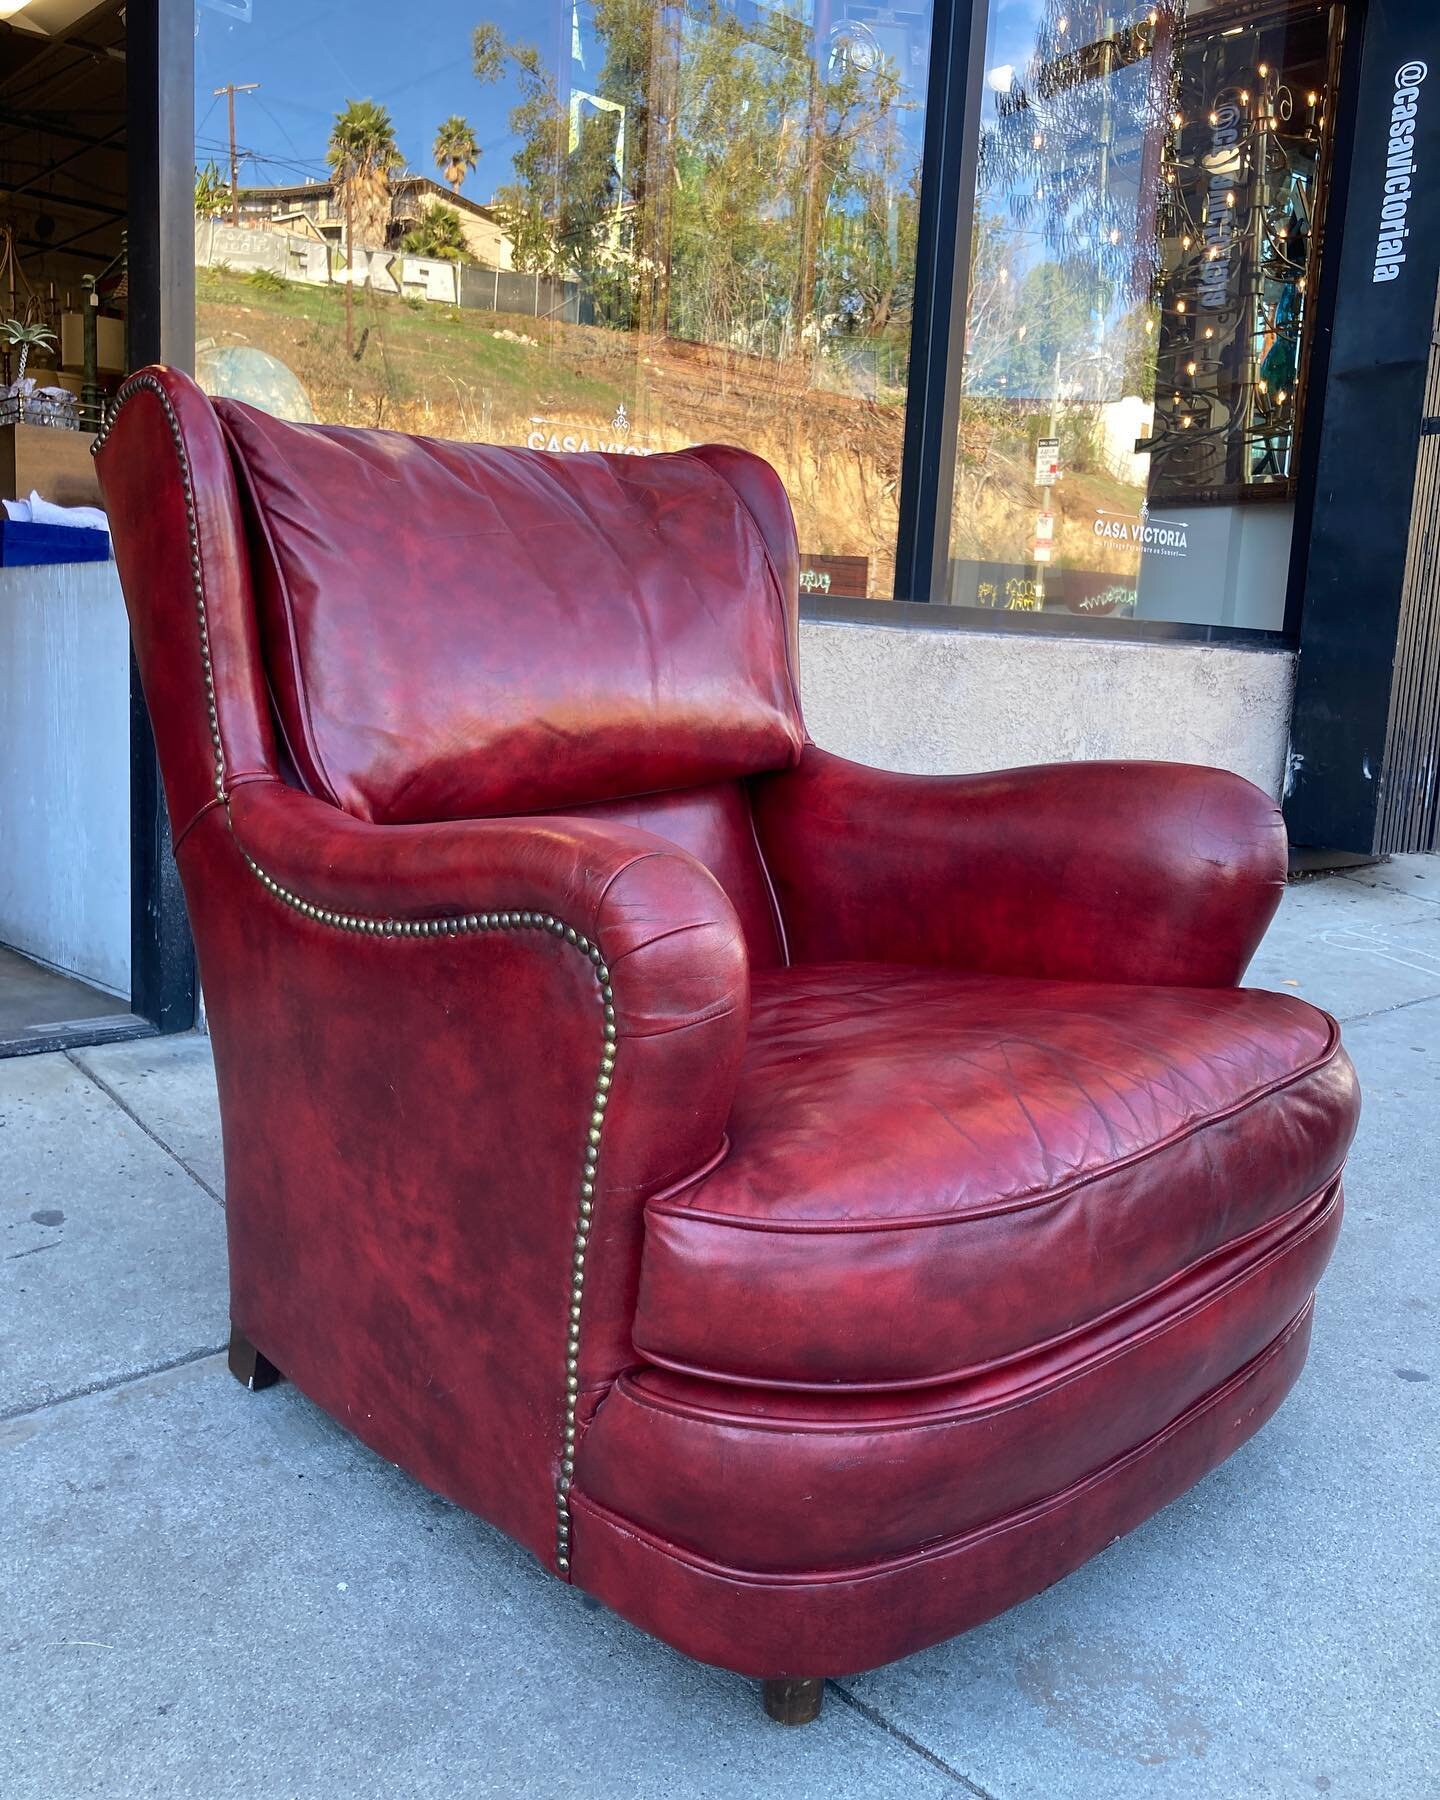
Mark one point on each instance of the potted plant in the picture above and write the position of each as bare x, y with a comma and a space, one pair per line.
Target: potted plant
19, 335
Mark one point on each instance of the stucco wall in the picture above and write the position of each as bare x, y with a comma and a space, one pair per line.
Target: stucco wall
931, 701
65, 770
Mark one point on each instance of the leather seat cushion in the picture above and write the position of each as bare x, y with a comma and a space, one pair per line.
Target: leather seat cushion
757, 1478
931, 1172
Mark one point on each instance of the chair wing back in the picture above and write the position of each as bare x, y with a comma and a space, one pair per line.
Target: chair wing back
169, 486
460, 630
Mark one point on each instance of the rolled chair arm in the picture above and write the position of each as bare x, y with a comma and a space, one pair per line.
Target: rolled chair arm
1153, 873
455, 1062
643, 902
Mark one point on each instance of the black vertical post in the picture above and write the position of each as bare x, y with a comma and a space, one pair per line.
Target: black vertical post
1354, 651
1317, 374
160, 65
942, 276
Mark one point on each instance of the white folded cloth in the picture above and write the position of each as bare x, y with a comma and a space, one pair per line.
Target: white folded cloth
36, 511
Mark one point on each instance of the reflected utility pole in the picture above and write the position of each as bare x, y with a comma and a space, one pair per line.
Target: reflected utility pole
349, 266
230, 90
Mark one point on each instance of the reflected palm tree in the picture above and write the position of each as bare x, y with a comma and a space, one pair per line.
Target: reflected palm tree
439, 233
456, 150
363, 154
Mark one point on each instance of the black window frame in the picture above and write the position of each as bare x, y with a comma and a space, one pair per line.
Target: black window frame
160, 121
947, 200
954, 95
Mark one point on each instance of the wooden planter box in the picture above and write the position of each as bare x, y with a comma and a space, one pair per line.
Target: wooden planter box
56, 464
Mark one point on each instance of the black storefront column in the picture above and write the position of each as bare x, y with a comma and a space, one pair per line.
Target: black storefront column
160, 42
1363, 771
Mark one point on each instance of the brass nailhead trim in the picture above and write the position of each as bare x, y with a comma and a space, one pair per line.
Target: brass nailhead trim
135, 385
452, 925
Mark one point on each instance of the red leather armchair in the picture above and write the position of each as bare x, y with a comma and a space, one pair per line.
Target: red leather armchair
812, 1209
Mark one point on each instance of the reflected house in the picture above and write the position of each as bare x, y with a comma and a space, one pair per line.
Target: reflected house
312, 210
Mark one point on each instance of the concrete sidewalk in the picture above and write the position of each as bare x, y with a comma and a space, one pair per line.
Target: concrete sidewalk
210, 1593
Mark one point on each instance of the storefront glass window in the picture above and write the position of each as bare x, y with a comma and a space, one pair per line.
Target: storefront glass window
1148, 220
606, 224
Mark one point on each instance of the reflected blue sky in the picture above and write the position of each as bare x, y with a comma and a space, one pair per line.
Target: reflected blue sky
311, 56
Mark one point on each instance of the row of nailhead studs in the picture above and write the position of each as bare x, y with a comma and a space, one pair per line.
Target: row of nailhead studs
454, 926
134, 386
457, 925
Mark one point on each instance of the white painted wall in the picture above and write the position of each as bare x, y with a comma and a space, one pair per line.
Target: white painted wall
65, 770
944, 700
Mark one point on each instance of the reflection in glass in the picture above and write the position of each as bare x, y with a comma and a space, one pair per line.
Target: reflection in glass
1146, 237
628, 225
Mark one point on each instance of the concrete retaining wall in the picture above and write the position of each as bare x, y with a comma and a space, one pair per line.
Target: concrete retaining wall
931, 701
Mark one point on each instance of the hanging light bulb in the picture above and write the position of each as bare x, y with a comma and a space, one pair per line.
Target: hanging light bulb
1230, 198
1190, 368
1209, 331
1179, 306
1263, 70
1186, 242
1177, 120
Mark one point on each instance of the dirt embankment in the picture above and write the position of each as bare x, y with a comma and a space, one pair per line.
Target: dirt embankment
500, 377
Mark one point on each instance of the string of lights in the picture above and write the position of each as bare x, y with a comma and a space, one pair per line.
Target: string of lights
1173, 163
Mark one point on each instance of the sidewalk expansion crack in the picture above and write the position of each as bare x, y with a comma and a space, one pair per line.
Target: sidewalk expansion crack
913, 1745
110, 1383
1382, 1012
1384, 887
130, 1113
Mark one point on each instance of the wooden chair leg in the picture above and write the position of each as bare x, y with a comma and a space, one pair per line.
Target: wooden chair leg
793, 1702
248, 1366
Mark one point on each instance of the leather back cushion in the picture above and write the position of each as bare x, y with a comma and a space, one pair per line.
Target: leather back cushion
456, 630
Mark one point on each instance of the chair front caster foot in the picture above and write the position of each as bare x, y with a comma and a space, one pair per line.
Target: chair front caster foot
793, 1702
248, 1366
